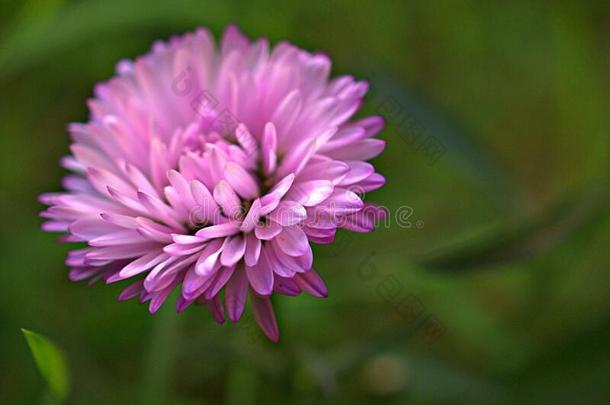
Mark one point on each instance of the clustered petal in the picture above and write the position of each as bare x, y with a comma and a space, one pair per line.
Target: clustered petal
212, 171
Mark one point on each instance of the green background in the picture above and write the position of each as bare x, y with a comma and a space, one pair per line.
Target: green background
497, 293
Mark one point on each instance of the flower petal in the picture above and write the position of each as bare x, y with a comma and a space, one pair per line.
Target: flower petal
260, 278
235, 294
233, 251
265, 317
311, 283
253, 250
293, 241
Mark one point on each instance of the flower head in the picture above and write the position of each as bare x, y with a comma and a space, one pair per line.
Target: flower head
210, 170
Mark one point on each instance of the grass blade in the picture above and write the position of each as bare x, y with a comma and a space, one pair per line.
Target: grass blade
51, 363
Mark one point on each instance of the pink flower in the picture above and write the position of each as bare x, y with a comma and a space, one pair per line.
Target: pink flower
209, 169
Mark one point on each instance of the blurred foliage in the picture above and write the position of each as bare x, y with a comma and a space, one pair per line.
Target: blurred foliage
51, 363
499, 292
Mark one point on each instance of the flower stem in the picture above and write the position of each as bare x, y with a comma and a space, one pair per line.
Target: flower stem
159, 362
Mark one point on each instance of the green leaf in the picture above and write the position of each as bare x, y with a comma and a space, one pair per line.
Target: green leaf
529, 239
432, 132
33, 41
51, 363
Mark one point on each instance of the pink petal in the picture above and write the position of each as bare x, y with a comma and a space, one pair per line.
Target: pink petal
310, 193
332, 170
142, 264
218, 231
288, 263
260, 278
276, 265
208, 259
194, 284
235, 294
358, 172
154, 231
182, 303
233, 40
252, 217
124, 237
159, 298
271, 200
311, 283
293, 241
372, 125
288, 213
216, 309
227, 199
265, 317
222, 276
286, 286
297, 158
233, 251
91, 228
241, 181
364, 149
253, 250
371, 183
246, 140
269, 146
131, 291
267, 231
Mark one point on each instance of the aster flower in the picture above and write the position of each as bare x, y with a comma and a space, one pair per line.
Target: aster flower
213, 170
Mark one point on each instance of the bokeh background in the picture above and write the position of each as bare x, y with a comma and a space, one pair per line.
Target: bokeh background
494, 289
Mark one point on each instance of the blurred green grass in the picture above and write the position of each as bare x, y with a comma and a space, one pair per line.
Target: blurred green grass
512, 259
